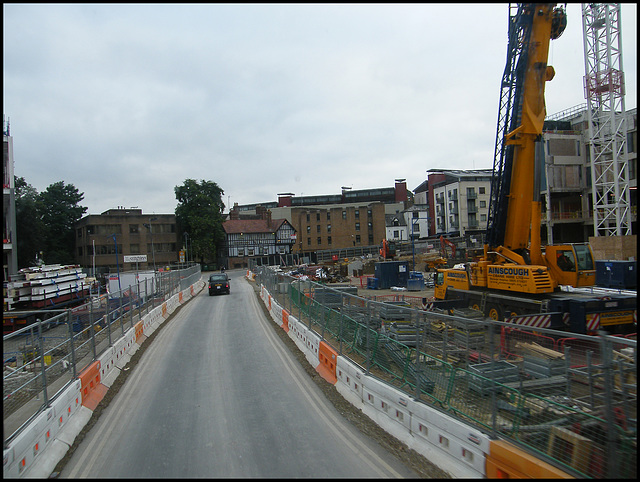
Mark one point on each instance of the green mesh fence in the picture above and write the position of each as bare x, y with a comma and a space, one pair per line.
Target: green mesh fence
571, 399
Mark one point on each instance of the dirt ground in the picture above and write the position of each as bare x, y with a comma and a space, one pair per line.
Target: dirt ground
408, 456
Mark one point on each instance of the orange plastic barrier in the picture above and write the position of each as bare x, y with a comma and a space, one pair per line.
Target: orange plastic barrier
91, 389
328, 358
285, 320
139, 330
506, 461
164, 310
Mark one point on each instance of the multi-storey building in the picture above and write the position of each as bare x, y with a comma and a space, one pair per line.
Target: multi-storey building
411, 223
460, 201
130, 233
567, 201
354, 218
9, 240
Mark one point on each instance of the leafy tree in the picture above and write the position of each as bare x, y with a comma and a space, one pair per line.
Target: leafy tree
199, 213
60, 211
29, 226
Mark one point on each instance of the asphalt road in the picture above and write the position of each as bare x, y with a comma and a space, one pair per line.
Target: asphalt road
217, 394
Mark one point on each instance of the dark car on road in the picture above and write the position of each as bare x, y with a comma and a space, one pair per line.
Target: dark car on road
219, 283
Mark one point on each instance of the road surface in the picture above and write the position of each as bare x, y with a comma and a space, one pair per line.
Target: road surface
217, 394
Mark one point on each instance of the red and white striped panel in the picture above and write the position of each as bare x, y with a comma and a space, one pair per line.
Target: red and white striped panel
593, 322
536, 321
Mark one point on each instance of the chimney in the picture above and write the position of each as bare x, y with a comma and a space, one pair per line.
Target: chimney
268, 217
401, 190
235, 212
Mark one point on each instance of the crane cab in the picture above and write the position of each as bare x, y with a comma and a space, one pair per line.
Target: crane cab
571, 264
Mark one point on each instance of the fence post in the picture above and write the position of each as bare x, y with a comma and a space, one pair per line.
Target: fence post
92, 328
73, 350
367, 336
121, 313
607, 365
494, 412
130, 307
44, 370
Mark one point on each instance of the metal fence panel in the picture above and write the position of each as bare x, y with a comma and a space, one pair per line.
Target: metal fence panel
571, 399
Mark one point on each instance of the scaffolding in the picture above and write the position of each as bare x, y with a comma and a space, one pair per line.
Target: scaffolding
606, 116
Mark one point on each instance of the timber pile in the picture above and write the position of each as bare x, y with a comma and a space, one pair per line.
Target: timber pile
534, 349
46, 285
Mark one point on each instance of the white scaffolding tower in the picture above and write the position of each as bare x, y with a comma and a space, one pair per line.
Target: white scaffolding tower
607, 134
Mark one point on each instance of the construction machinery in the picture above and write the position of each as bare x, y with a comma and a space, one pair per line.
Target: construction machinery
388, 249
515, 275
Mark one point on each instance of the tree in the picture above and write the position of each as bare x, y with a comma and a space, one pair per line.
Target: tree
29, 226
60, 211
199, 213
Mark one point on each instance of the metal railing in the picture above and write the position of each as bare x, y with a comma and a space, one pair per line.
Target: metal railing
41, 359
570, 399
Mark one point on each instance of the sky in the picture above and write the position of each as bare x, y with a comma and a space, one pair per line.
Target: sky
126, 102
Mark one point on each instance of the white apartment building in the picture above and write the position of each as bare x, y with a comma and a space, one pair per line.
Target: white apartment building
461, 201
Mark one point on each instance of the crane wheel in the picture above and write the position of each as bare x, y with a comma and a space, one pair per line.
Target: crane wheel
494, 312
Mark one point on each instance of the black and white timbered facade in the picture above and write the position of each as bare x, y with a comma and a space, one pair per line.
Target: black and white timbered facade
249, 238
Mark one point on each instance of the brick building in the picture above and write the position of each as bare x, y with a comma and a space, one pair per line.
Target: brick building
153, 235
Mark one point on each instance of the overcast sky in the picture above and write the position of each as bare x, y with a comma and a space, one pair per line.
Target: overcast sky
125, 102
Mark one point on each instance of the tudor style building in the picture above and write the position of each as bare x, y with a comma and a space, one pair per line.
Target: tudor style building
256, 235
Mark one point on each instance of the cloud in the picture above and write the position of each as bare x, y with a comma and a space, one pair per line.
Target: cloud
125, 102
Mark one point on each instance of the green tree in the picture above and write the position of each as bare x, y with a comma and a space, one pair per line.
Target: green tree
199, 213
60, 211
29, 226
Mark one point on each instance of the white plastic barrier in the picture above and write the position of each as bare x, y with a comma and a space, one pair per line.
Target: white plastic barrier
350, 378
312, 344
108, 369
452, 445
387, 401
467, 445
123, 348
29, 446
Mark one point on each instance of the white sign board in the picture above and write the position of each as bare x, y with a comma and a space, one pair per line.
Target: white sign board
135, 258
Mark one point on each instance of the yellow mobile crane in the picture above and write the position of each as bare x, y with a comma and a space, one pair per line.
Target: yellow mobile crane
515, 275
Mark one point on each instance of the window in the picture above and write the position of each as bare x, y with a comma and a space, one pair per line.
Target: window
328, 215
481, 190
357, 239
357, 214
416, 214
308, 241
317, 216
318, 228
328, 228
483, 204
308, 229
329, 240
134, 248
133, 229
370, 226
357, 226
344, 214
308, 217
319, 240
